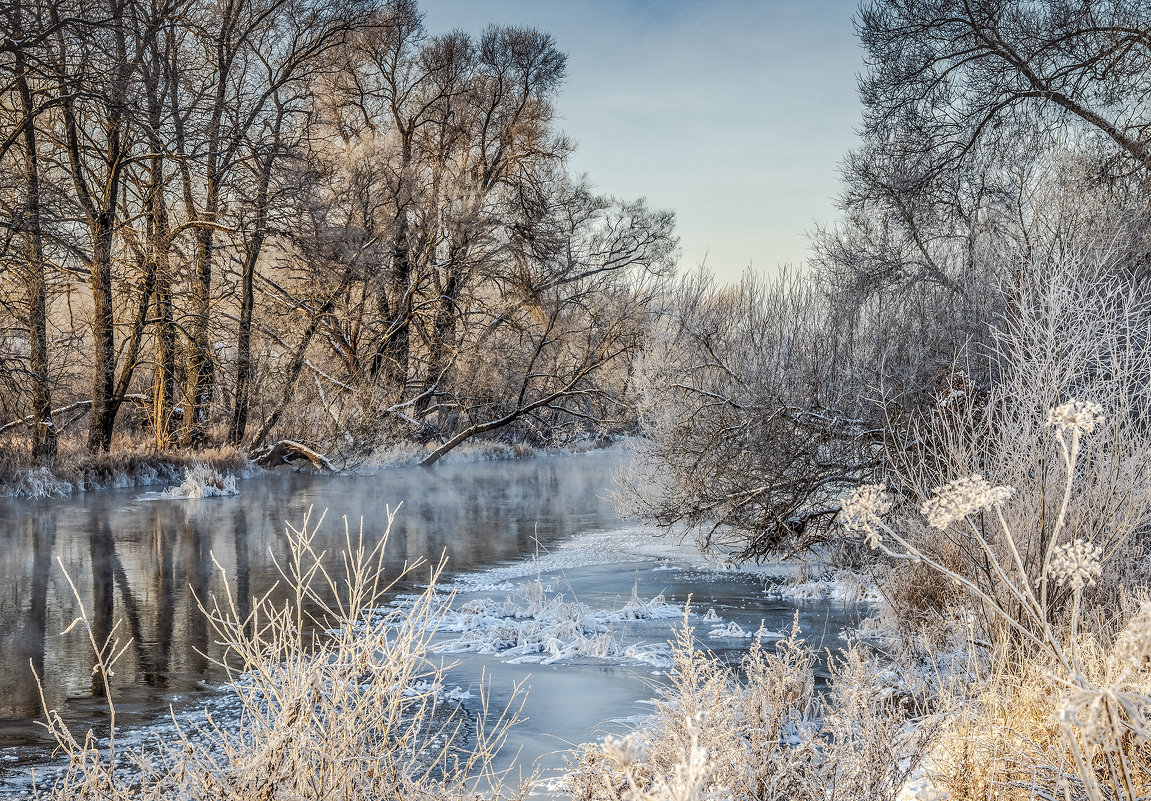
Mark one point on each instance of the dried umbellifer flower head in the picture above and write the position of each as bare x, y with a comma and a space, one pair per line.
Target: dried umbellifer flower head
863, 511
963, 497
1076, 416
1077, 564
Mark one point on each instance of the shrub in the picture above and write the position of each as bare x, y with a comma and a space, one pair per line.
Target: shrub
333, 700
1055, 678
767, 735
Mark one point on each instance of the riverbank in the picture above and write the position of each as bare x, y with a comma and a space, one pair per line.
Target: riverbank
77, 471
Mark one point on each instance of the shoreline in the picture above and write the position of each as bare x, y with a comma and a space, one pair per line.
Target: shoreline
79, 472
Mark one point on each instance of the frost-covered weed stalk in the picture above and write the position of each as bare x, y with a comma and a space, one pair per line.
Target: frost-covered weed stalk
353, 711
765, 736
203, 481
1099, 697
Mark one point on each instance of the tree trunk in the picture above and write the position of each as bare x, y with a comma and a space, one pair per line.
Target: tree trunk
36, 287
103, 338
398, 344
443, 335
164, 375
200, 366
159, 243
200, 374
248, 302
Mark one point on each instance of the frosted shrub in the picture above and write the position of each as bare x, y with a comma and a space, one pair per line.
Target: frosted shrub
1069, 713
203, 481
767, 735
334, 700
40, 482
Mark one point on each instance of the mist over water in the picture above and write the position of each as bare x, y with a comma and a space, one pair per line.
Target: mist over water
552, 590
141, 562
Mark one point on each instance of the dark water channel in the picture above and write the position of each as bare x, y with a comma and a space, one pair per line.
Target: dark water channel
140, 562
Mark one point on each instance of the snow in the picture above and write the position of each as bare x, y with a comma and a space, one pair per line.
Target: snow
537, 624
203, 481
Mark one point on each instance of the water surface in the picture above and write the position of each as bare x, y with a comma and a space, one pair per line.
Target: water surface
140, 563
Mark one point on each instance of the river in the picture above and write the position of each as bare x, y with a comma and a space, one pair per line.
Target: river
140, 562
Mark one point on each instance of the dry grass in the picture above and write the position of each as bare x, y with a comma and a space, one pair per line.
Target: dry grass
76, 470
765, 735
352, 712
1021, 737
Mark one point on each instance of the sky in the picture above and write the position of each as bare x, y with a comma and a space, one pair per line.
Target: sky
733, 113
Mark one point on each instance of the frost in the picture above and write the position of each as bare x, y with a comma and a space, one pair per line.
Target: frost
732, 631
203, 481
40, 482
539, 625
845, 586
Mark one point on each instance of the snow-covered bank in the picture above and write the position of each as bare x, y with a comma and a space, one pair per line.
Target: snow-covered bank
408, 454
79, 473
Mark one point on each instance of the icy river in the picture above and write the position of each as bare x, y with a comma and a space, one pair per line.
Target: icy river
552, 588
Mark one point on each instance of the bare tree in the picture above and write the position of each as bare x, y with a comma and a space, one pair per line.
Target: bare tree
964, 73
753, 415
243, 59
574, 307
26, 97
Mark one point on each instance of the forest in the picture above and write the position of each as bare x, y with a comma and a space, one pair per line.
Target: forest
226, 224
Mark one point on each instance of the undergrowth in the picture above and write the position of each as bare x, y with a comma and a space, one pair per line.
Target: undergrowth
760, 732
335, 700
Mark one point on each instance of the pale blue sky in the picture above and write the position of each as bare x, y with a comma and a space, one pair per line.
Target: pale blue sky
734, 113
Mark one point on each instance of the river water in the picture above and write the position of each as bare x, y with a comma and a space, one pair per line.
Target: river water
140, 562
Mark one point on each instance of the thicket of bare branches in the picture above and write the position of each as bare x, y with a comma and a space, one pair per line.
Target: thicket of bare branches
1002, 162
231, 222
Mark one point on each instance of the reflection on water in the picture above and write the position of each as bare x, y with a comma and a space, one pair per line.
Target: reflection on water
139, 564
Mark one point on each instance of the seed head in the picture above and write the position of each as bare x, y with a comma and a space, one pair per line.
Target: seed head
864, 510
1105, 715
624, 750
963, 497
1076, 564
1076, 416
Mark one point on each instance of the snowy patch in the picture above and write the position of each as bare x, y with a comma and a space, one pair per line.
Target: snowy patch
732, 631
844, 586
203, 481
617, 546
408, 454
539, 625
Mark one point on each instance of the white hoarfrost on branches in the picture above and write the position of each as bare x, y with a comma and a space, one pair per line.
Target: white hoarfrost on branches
1134, 643
537, 624
1077, 564
961, 498
203, 481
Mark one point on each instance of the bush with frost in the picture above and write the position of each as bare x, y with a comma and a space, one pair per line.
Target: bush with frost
203, 481
331, 699
1064, 713
759, 732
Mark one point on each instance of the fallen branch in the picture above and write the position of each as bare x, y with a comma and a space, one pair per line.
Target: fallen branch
288, 451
